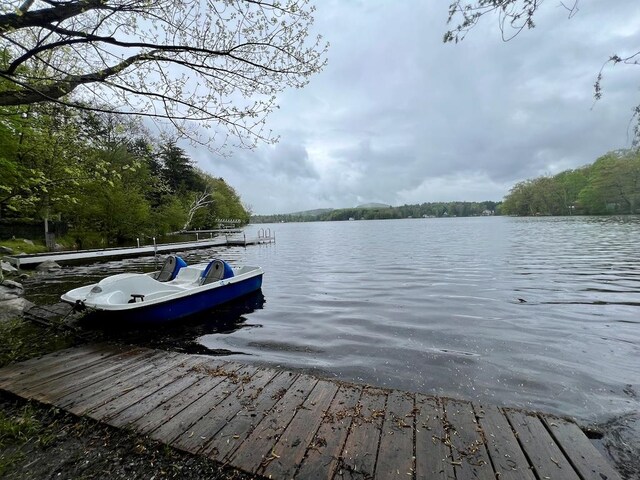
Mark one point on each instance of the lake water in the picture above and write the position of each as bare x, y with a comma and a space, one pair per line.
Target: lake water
540, 313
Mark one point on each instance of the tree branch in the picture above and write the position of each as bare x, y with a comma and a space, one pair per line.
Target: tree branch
213, 61
39, 18
36, 94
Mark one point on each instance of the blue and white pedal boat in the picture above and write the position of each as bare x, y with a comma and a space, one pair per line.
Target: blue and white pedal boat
176, 291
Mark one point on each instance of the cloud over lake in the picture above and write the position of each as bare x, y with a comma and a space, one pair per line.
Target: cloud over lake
399, 117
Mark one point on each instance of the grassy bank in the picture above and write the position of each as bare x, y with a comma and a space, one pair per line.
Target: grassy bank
20, 246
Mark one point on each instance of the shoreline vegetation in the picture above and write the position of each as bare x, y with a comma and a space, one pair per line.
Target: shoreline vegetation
97, 180
609, 186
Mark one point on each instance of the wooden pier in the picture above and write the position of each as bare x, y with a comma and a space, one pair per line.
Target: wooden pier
79, 256
281, 424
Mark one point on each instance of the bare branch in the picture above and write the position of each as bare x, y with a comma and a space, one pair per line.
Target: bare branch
200, 201
514, 14
192, 60
572, 9
33, 94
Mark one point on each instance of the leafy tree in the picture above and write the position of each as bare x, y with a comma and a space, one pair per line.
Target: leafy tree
168, 217
113, 205
518, 201
15, 177
109, 214
610, 185
614, 185
101, 174
178, 170
228, 201
217, 62
48, 162
571, 183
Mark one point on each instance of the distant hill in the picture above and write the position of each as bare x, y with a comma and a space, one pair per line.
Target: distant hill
380, 211
373, 205
312, 213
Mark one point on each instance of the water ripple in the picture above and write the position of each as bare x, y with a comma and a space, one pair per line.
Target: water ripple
539, 313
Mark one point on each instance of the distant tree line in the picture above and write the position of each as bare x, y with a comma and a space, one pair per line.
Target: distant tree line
104, 175
432, 209
611, 185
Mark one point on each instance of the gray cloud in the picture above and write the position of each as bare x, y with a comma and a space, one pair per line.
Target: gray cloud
399, 117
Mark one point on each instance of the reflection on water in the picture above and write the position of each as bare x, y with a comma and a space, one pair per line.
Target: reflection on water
540, 313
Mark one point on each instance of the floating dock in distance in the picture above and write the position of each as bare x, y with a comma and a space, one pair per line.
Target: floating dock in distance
78, 256
238, 241
281, 424
217, 230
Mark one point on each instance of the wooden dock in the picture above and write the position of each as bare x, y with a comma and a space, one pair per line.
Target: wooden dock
281, 424
79, 256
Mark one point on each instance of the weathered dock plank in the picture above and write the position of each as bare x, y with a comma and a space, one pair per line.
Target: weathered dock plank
9, 373
205, 428
47, 372
257, 450
281, 424
545, 456
143, 402
88, 377
584, 457
84, 401
222, 384
255, 403
157, 417
433, 452
78, 394
469, 454
358, 459
323, 451
293, 442
506, 455
137, 393
395, 455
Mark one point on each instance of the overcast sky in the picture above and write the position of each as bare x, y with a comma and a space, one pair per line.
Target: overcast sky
399, 117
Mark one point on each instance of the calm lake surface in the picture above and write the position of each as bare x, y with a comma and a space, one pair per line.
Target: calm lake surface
541, 313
